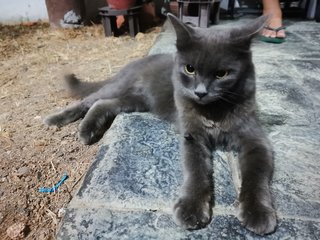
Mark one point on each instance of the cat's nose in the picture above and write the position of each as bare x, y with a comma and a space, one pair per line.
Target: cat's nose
200, 94
200, 90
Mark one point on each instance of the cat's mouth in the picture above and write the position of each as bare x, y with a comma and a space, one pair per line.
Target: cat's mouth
206, 99
202, 101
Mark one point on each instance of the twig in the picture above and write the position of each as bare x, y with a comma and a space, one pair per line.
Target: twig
54, 169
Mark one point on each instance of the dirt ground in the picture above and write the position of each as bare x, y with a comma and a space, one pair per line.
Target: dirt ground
33, 59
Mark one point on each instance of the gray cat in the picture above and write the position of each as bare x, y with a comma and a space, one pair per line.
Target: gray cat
208, 89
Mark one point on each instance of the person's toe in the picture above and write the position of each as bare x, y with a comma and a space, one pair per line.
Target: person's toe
281, 34
269, 33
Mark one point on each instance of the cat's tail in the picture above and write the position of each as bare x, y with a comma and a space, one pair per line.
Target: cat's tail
79, 89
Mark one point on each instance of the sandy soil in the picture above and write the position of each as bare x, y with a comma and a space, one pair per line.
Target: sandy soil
32, 61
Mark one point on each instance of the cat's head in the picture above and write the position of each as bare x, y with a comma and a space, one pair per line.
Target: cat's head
215, 64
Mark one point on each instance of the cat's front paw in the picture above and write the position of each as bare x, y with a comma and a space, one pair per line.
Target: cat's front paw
192, 213
54, 120
91, 129
90, 132
258, 218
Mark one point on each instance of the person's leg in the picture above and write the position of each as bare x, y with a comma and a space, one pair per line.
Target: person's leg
272, 8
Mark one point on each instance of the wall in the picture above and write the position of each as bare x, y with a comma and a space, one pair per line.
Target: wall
17, 11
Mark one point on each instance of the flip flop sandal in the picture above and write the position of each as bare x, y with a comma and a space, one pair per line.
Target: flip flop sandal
273, 39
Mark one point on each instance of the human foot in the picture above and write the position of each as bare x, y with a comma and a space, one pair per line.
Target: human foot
273, 9
274, 32
274, 29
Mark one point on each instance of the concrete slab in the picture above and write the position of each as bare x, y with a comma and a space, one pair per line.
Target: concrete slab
117, 224
129, 189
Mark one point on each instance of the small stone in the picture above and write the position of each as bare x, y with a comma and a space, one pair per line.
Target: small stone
40, 143
64, 142
3, 179
139, 36
28, 179
61, 212
1, 217
16, 231
3, 173
23, 171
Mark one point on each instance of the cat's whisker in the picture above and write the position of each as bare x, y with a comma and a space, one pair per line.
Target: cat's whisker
232, 93
227, 100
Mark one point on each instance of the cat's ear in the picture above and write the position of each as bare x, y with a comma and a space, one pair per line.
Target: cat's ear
252, 29
246, 33
183, 32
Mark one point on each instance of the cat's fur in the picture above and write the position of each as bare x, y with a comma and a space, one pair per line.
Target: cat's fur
208, 88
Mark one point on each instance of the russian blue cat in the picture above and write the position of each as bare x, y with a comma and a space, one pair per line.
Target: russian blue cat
207, 88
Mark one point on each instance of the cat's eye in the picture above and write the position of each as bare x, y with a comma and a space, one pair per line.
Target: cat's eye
189, 69
221, 74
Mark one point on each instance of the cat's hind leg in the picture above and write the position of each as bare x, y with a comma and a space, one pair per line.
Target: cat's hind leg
73, 112
256, 210
70, 114
102, 113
